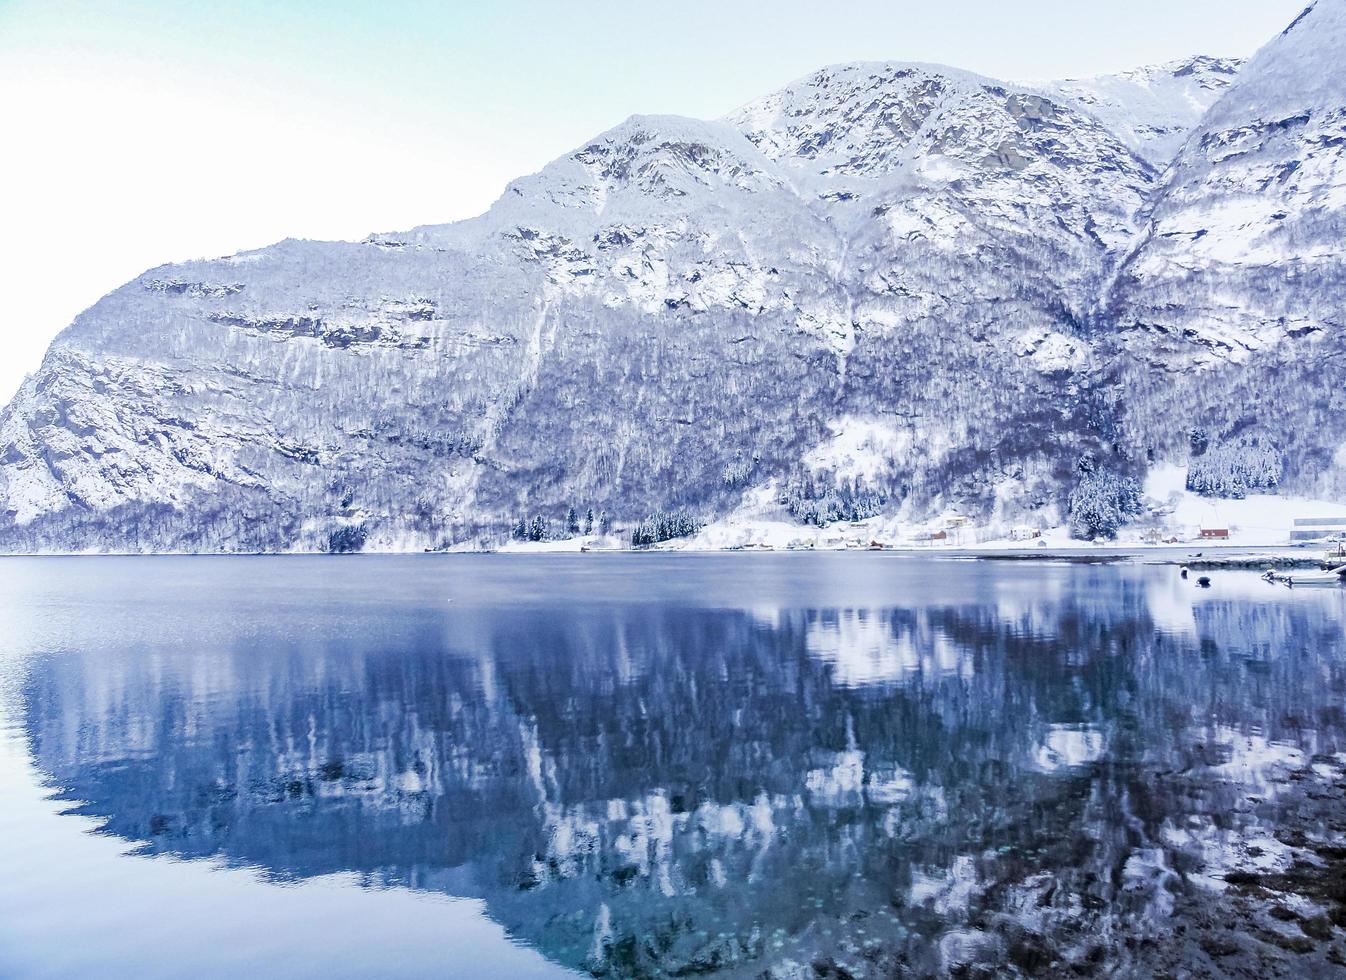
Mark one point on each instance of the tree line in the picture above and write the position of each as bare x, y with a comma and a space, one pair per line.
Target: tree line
540, 528
1233, 469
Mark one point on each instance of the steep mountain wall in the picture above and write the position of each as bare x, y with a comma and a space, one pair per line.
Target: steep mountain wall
994, 279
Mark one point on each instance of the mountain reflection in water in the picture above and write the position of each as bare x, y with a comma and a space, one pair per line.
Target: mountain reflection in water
650, 766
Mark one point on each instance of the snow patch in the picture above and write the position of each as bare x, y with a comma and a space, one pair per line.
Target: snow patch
860, 448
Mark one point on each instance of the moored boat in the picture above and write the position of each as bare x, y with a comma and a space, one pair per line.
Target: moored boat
1333, 577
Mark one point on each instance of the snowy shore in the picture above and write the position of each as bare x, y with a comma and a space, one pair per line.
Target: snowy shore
1173, 525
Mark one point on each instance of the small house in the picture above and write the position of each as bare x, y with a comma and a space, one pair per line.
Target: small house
939, 536
1214, 533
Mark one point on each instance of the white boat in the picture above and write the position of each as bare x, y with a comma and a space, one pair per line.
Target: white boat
1272, 575
1334, 577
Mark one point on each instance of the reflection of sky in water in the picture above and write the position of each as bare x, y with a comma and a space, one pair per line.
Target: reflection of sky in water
630, 764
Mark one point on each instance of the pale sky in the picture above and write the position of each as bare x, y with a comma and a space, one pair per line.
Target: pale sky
138, 132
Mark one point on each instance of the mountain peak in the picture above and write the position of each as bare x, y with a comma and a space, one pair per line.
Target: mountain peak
850, 91
871, 119
1298, 69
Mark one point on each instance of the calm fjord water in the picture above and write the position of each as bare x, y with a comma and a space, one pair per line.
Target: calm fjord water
633, 765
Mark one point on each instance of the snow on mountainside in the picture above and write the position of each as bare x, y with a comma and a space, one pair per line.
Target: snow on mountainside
1252, 217
1152, 109
678, 315
660, 213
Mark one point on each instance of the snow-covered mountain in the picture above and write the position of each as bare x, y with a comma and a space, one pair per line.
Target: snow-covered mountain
679, 313
1230, 307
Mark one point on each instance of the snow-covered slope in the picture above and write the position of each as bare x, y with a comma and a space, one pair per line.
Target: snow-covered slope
674, 315
1153, 109
1246, 243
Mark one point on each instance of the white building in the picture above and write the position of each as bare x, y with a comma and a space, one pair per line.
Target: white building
1318, 529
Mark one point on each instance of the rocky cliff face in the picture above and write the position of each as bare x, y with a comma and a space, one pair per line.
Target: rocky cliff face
681, 311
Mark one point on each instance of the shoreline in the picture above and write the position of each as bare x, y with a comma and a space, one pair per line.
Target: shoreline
1232, 557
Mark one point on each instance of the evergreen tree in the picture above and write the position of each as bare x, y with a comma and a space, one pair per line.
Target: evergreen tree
663, 527
738, 472
589, 521
825, 500
347, 539
1198, 441
604, 523
1101, 503
1236, 469
572, 521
